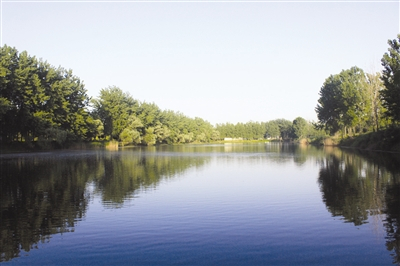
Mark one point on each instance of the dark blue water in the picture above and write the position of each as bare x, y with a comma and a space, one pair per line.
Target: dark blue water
242, 204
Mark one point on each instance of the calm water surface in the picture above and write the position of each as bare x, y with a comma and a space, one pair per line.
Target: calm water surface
232, 204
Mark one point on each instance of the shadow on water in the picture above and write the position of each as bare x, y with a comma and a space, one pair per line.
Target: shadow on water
357, 186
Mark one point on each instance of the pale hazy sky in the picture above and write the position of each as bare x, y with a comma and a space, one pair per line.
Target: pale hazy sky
221, 61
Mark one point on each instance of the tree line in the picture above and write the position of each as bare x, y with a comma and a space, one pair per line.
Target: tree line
354, 101
45, 105
42, 104
131, 121
282, 129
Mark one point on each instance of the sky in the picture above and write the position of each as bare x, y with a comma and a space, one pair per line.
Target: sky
233, 61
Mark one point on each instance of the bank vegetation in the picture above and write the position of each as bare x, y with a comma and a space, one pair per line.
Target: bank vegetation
47, 107
362, 110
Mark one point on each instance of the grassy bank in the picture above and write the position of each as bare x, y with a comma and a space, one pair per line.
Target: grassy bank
384, 140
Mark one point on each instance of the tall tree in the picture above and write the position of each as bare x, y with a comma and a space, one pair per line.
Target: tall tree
391, 79
40, 101
8, 64
344, 104
285, 128
300, 128
374, 88
272, 130
330, 104
114, 108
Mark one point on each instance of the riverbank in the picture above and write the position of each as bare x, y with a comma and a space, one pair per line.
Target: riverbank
385, 140
23, 147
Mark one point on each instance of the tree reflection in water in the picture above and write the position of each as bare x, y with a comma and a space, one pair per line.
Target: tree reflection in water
40, 197
358, 185
48, 195
392, 223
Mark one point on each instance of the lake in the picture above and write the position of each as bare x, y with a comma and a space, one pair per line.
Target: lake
222, 204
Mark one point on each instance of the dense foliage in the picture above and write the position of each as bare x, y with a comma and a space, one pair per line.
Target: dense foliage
132, 121
349, 103
41, 102
47, 106
353, 101
343, 100
274, 129
391, 79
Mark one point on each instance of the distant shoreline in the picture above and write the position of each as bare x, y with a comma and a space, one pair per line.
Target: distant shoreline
382, 141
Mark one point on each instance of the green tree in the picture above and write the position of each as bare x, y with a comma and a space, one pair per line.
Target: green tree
149, 137
285, 128
215, 135
130, 136
8, 64
35, 97
377, 111
344, 104
162, 133
75, 101
99, 128
391, 79
300, 128
330, 104
272, 129
114, 108
5, 105
149, 114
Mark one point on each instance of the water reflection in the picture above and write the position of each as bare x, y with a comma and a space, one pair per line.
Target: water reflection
40, 197
392, 222
357, 186
48, 194
133, 170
